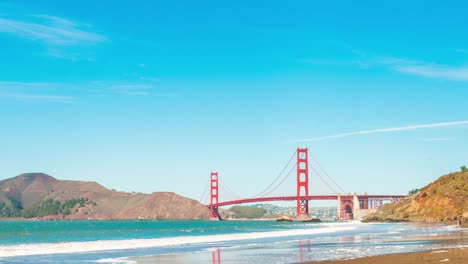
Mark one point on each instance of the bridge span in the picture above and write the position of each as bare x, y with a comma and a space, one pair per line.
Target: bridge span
349, 205
310, 198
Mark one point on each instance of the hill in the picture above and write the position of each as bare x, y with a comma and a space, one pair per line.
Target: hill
445, 198
38, 195
243, 212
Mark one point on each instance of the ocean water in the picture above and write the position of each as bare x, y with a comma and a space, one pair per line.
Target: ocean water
214, 241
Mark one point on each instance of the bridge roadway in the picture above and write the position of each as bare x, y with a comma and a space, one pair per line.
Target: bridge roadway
310, 197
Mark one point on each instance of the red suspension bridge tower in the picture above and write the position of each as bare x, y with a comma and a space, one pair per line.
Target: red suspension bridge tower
302, 184
214, 194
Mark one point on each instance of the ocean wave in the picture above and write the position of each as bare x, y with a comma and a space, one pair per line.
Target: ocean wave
107, 245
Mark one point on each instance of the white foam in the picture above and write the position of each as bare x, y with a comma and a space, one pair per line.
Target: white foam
104, 245
438, 251
117, 260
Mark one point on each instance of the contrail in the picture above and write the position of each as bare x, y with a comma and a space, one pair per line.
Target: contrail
385, 130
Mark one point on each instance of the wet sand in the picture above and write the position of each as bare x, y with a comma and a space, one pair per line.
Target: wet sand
451, 256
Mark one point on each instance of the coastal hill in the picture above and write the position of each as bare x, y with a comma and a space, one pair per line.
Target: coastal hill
445, 198
38, 195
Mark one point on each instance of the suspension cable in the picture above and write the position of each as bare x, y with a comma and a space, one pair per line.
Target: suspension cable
277, 177
320, 166
229, 190
287, 175
322, 178
204, 191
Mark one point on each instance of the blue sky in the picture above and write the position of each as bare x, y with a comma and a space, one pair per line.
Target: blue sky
152, 96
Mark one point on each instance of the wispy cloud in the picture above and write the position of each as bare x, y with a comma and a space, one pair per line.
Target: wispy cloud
385, 130
141, 87
435, 71
358, 58
51, 30
70, 92
62, 38
40, 97
425, 69
37, 91
403, 65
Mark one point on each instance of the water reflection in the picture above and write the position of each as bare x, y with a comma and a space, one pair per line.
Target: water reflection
304, 249
216, 256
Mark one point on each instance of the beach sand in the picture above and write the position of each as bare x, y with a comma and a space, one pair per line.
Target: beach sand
450, 256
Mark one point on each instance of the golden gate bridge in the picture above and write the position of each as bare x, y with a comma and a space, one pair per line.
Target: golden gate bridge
349, 206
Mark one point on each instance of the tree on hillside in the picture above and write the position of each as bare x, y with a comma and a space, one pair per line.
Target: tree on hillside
247, 211
414, 191
464, 168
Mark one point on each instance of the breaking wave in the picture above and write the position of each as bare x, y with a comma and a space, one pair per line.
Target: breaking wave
107, 245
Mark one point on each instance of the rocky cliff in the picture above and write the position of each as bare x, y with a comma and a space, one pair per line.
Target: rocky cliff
445, 198
37, 195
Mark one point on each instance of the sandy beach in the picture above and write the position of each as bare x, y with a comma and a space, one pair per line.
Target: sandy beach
453, 256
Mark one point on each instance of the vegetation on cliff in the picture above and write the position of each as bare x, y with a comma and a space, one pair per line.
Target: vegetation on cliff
464, 168
45, 208
247, 212
445, 198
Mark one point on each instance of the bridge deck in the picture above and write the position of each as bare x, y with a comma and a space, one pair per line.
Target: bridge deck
310, 197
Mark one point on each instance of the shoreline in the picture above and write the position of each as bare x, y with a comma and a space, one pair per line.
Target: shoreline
455, 255
449, 255
188, 247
